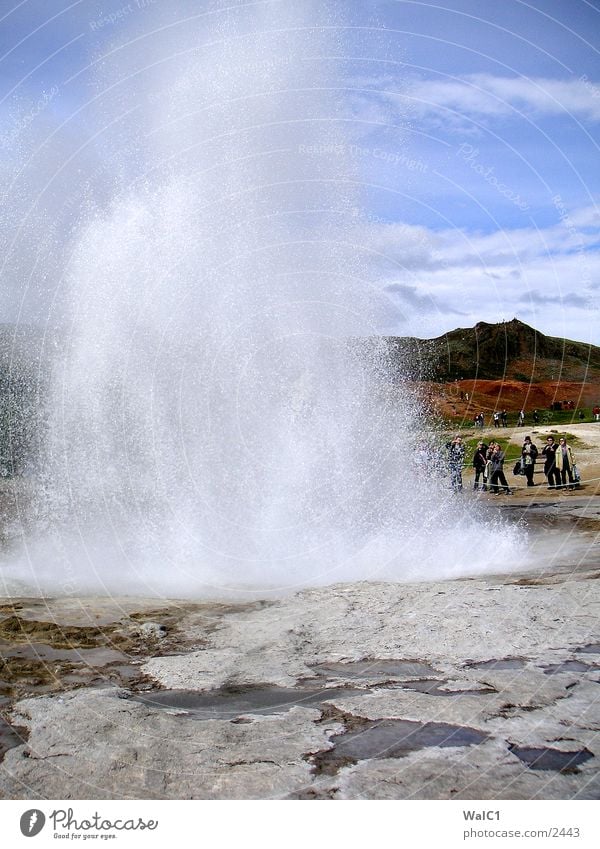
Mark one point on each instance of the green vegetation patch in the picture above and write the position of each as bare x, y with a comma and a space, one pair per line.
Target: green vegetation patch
572, 440
513, 452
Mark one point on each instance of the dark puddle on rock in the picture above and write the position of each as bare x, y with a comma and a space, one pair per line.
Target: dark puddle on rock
390, 738
551, 759
228, 703
591, 648
569, 666
97, 657
435, 688
501, 663
10, 736
370, 669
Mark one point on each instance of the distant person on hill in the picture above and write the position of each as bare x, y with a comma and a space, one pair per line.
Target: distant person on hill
564, 463
498, 476
521, 421
456, 456
479, 464
504, 417
496, 419
529, 454
536, 417
550, 470
596, 413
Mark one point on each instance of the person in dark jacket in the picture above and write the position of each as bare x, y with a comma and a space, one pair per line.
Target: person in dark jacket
498, 476
529, 454
479, 464
550, 470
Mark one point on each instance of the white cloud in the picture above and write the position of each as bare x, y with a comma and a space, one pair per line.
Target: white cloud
549, 277
486, 95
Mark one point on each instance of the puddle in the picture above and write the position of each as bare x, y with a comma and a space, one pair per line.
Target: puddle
502, 663
569, 666
551, 759
391, 738
370, 669
591, 648
434, 688
40, 651
227, 704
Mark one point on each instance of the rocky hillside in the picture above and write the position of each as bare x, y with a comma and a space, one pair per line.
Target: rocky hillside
509, 350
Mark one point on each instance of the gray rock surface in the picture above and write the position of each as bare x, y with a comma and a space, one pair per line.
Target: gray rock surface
465, 689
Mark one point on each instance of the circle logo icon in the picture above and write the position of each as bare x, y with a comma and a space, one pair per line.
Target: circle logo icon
32, 822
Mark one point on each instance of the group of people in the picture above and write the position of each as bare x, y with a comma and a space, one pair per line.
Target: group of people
488, 463
501, 419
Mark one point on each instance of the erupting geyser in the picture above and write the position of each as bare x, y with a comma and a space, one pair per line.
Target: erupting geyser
215, 423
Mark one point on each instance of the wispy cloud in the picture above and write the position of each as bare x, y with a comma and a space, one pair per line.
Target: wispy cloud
411, 296
570, 299
489, 96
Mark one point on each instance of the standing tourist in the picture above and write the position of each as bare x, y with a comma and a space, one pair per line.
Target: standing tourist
498, 476
529, 454
521, 421
564, 463
550, 470
479, 464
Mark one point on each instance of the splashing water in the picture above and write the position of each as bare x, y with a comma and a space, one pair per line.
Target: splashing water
215, 423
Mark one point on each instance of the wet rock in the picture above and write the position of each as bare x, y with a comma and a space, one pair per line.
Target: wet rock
279, 687
486, 771
95, 745
288, 640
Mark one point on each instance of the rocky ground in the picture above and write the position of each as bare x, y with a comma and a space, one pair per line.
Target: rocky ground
465, 689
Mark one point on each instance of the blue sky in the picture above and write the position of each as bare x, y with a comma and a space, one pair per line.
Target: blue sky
473, 127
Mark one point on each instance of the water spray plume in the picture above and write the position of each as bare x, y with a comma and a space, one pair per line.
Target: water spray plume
221, 420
